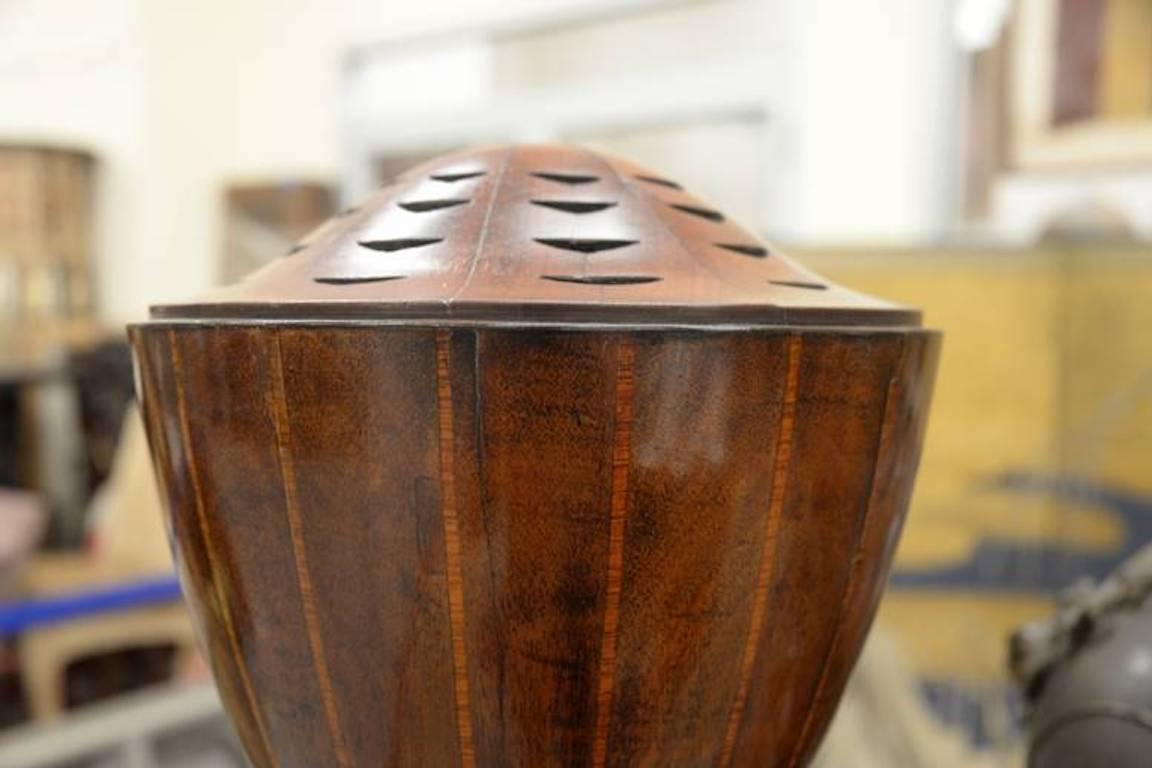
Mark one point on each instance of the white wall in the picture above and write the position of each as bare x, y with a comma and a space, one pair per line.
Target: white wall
78, 82
861, 97
869, 122
181, 97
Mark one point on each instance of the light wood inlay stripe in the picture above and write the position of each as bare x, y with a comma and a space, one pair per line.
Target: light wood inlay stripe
452, 546
279, 409
767, 558
625, 391
883, 448
217, 571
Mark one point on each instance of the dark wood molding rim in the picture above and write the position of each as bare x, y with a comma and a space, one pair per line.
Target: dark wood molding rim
600, 315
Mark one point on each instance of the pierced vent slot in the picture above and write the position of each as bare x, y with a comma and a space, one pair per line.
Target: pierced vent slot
400, 244
703, 213
296, 248
603, 279
566, 178
357, 280
584, 245
755, 251
422, 206
574, 206
349, 211
449, 177
659, 182
800, 284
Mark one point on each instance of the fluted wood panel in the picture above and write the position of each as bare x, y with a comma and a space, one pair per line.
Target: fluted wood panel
500, 546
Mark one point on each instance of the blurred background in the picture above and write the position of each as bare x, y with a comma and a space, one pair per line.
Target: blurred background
987, 160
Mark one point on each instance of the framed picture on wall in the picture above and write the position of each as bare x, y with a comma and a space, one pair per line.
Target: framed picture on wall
1082, 90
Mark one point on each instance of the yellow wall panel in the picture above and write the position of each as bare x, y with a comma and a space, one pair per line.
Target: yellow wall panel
1038, 454
1125, 75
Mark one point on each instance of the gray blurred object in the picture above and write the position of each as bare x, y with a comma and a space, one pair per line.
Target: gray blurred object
1087, 673
169, 727
59, 451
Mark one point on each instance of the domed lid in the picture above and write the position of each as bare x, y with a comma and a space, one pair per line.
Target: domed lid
528, 234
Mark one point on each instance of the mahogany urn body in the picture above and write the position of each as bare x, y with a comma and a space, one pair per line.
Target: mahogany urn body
534, 460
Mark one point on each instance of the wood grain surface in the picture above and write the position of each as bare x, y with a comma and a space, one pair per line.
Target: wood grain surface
534, 460
539, 234
498, 547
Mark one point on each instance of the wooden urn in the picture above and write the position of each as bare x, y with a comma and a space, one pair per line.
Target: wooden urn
534, 459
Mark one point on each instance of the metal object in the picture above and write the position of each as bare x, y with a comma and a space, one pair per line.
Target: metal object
1087, 673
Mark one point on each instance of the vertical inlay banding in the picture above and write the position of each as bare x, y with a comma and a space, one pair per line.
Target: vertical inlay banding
452, 547
883, 447
279, 410
767, 558
621, 459
213, 559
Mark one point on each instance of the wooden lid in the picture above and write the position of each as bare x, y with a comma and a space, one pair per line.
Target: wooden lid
552, 234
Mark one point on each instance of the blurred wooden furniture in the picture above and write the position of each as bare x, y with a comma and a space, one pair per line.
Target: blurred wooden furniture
42, 445
47, 652
127, 566
46, 231
47, 207
165, 726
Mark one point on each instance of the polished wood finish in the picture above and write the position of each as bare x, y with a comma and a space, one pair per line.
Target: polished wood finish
421, 539
530, 234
